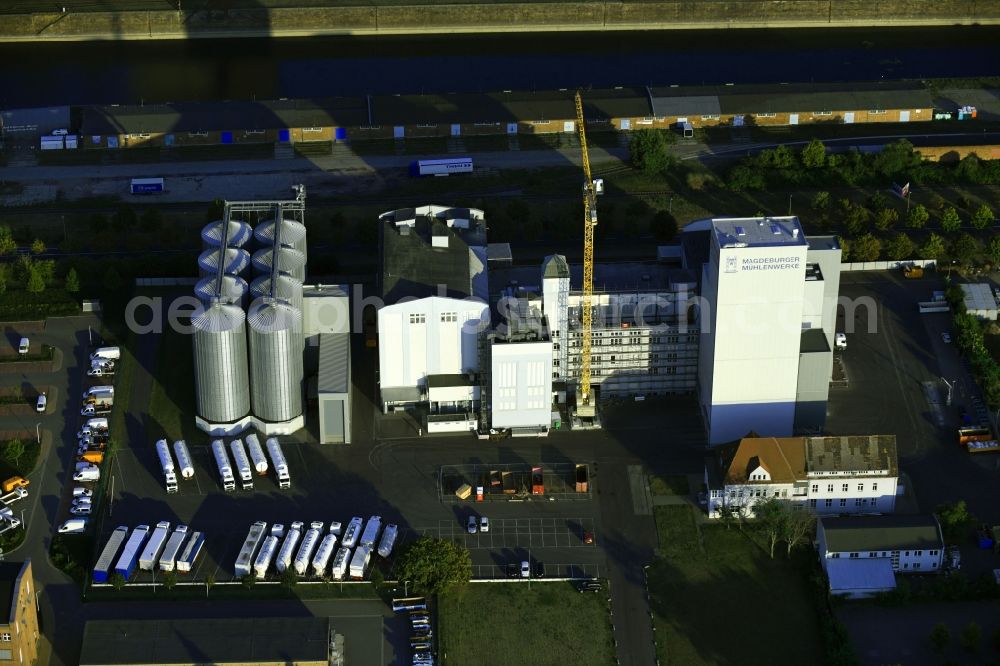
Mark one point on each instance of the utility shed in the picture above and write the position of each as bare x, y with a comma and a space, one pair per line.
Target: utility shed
221, 642
333, 388
979, 301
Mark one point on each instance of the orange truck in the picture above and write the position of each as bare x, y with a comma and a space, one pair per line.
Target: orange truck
537, 486
15, 482
974, 434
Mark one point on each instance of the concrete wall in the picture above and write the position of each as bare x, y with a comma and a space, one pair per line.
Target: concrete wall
489, 17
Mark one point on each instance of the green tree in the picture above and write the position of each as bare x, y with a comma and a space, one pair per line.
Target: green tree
776, 158
899, 247
36, 283
289, 579
866, 248
954, 517
846, 247
151, 220
249, 581
170, 580
664, 226
434, 565
983, 218
72, 281
821, 201
13, 449
950, 222
940, 636
112, 279
917, 217
117, 581
743, 178
857, 220
932, 248
885, 218
896, 158
37, 246
649, 151
965, 248
799, 527
971, 636
993, 250
3, 283
771, 517
878, 201
7, 242
814, 155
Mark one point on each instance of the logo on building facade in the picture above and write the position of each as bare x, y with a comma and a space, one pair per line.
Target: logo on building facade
732, 264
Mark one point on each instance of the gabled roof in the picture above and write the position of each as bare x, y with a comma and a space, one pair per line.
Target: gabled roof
853, 534
782, 457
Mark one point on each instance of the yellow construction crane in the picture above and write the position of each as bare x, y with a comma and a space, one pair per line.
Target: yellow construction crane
585, 404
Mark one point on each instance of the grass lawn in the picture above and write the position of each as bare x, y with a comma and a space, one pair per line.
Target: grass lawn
718, 599
171, 399
669, 485
550, 624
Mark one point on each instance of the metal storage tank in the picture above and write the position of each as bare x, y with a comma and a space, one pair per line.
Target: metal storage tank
291, 262
222, 393
234, 290
275, 360
238, 234
292, 234
234, 261
286, 288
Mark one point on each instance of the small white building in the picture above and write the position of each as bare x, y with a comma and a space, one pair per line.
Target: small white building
826, 475
862, 554
979, 301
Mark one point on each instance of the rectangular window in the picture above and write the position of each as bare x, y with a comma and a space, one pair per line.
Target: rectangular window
812, 503
872, 554
449, 317
711, 116
765, 115
248, 132
836, 556
843, 487
934, 553
874, 487
877, 112
418, 319
854, 556
829, 503
822, 113
5, 637
916, 565
139, 136
861, 487
829, 487
919, 553
6, 655
843, 503
815, 487
320, 129
202, 134
857, 502
775, 493
874, 502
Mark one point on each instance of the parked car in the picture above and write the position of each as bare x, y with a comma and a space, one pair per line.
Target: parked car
588, 537
73, 526
588, 586
80, 510
80, 491
41, 404
946, 337
23, 348
472, 524
539, 570
484, 524
525, 569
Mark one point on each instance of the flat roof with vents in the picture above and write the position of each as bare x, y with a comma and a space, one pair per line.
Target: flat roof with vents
758, 231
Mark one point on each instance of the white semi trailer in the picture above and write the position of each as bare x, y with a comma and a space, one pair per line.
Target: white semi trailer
184, 462
372, 529
324, 553
222, 462
309, 543
267, 553
359, 563
257, 455
388, 540
167, 465
248, 553
352, 532
279, 463
340, 563
288, 546
168, 558
242, 464
158, 539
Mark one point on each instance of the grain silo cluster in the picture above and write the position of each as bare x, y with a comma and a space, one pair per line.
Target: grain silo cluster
248, 339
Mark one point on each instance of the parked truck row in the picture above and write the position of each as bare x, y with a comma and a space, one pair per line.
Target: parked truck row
248, 460
143, 549
313, 550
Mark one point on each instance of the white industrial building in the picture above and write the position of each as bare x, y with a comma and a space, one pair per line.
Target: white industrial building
746, 319
520, 379
825, 475
862, 554
979, 300
768, 301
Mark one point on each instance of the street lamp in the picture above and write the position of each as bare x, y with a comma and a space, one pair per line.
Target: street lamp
38, 433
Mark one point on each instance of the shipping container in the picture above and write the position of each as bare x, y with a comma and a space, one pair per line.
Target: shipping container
388, 540
151, 554
185, 563
126, 564
369, 537
146, 186
168, 559
444, 167
360, 561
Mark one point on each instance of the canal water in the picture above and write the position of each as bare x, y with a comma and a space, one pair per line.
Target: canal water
126, 72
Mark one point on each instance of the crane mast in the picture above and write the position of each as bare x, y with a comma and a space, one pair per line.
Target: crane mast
585, 404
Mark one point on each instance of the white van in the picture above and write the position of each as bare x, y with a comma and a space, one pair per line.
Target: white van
22, 348
106, 354
73, 526
98, 390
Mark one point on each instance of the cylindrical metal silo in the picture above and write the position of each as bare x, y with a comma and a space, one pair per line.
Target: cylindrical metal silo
222, 392
237, 234
233, 291
291, 234
234, 261
275, 360
286, 288
290, 262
